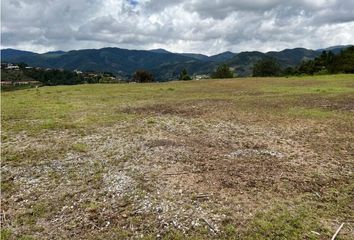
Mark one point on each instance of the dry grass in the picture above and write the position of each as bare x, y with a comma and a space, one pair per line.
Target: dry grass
262, 158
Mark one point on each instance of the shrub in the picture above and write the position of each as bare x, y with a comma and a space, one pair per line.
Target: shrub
143, 76
223, 71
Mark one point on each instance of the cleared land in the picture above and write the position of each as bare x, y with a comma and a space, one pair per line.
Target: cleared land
256, 158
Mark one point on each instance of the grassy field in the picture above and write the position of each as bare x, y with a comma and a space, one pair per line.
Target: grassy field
249, 158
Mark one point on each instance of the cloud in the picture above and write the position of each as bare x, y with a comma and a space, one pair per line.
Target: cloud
178, 25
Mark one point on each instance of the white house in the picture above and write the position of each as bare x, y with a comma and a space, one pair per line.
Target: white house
200, 77
12, 67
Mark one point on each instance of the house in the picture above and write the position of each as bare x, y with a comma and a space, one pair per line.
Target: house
200, 77
12, 67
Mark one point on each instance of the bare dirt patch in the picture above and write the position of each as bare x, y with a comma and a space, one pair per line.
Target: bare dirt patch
179, 173
338, 103
193, 108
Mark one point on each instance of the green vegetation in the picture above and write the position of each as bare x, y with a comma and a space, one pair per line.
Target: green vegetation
50, 77
5, 234
223, 71
7, 88
302, 220
266, 68
14, 76
184, 75
59, 107
326, 63
164, 65
56, 77
142, 76
284, 223
306, 112
80, 147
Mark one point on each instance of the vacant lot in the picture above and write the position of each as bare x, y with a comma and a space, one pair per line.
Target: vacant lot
256, 158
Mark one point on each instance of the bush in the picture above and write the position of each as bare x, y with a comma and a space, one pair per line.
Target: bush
143, 76
184, 75
266, 67
223, 71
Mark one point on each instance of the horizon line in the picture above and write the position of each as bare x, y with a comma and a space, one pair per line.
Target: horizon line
150, 50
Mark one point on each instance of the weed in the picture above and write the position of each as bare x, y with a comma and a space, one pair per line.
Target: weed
5, 234
80, 147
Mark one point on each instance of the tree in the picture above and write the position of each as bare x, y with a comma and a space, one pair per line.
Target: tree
289, 71
54, 77
223, 71
307, 67
143, 76
184, 75
22, 65
266, 67
344, 61
328, 62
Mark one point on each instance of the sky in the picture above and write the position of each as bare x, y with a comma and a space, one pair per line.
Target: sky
196, 26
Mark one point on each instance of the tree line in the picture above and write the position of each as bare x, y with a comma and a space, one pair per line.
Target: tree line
222, 71
55, 77
326, 63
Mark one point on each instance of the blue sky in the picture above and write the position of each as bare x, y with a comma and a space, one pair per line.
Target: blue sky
133, 2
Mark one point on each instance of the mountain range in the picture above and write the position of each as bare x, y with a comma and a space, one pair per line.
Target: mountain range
163, 64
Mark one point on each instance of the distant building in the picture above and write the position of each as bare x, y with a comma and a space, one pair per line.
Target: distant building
77, 71
200, 77
12, 67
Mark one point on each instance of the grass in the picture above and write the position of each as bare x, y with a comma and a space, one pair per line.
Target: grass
116, 161
310, 112
80, 147
282, 222
301, 219
82, 106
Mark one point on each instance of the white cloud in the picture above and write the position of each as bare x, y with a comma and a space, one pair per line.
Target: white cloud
183, 26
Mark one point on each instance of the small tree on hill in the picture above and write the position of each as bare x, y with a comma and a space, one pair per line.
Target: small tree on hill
184, 75
223, 71
22, 65
143, 76
266, 67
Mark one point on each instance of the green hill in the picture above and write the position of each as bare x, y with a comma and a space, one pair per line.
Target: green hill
163, 64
